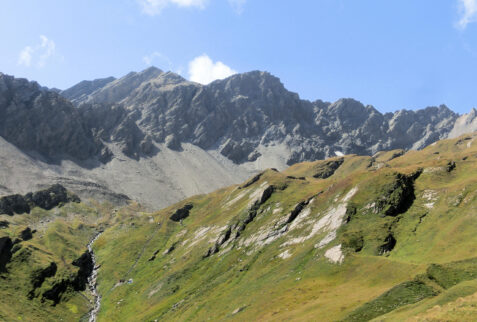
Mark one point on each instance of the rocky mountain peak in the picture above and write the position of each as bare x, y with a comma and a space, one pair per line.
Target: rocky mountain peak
252, 84
80, 91
466, 123
119, 89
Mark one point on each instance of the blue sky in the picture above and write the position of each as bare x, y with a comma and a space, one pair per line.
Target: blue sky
392, 54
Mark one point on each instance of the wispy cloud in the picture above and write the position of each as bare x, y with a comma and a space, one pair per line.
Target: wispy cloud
238, 5
37, 55
25, 56
203, 70
468, 12
159, 59
155, 7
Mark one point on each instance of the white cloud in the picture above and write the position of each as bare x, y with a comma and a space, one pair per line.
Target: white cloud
38, 54
47, 49
237, 5
203, 70
155, 7
24, 58
160, 59
468, 11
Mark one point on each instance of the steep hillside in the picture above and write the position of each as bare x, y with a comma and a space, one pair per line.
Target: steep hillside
44, 264
354, 238
349, 238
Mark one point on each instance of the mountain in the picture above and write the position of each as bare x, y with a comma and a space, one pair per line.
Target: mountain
389, 237
251, 116
157, 138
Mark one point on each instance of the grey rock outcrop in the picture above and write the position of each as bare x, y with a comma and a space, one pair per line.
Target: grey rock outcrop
467, 123
43, 122
81, 90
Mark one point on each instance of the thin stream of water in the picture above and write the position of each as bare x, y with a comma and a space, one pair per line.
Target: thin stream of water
92, 282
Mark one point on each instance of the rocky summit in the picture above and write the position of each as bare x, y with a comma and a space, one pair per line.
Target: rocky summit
155, 137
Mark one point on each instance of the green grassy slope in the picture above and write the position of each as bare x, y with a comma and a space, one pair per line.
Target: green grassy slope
354, 239
40, 264
391, 237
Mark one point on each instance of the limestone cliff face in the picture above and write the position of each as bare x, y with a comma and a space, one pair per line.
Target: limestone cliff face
247, 113
81, 90
42, 121
467, 123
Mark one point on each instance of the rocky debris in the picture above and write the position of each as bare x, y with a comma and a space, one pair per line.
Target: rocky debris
14, 204
181, 213
38, 276
26, 234
87, 189
387, 246
6, 246
326, 169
